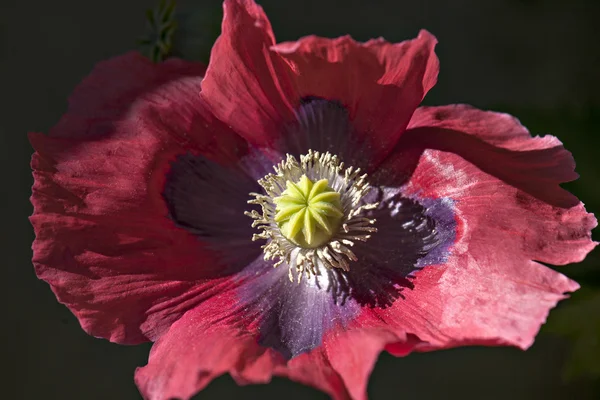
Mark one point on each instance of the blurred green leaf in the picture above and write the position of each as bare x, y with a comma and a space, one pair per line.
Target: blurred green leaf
579, 321
150, 17
157, 45
168, 10
199, 25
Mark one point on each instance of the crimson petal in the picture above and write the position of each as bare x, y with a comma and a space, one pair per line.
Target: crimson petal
381, 84
195, 351
104, 241
499, 145
490, 290
247, 85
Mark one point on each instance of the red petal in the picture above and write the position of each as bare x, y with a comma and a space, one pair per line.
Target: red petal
490, 291
112, 88
380, 83
500, 146
499, 129
247, 85
195, 351
342, 365
353, 355
315, 369
254, 85
103, 239
475, 299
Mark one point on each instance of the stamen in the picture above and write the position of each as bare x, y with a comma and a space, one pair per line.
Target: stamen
312, 214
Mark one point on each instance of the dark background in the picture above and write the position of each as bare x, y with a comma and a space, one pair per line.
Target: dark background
536, 59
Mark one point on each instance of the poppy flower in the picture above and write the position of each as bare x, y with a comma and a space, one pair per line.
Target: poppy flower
291, 211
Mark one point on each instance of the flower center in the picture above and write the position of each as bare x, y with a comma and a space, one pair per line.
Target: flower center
308, 213
312, 214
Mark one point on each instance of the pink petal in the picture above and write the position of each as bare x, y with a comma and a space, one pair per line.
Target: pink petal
380, 83
247, 85
194, 352
315, 369
197, 349
353, 355
535, 165
488, 292
111, 89
103, 239
491, 290
499, 129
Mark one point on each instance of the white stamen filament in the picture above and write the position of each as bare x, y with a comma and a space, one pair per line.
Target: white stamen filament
336, 253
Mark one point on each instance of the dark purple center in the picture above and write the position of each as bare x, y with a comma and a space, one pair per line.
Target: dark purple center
209, 200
